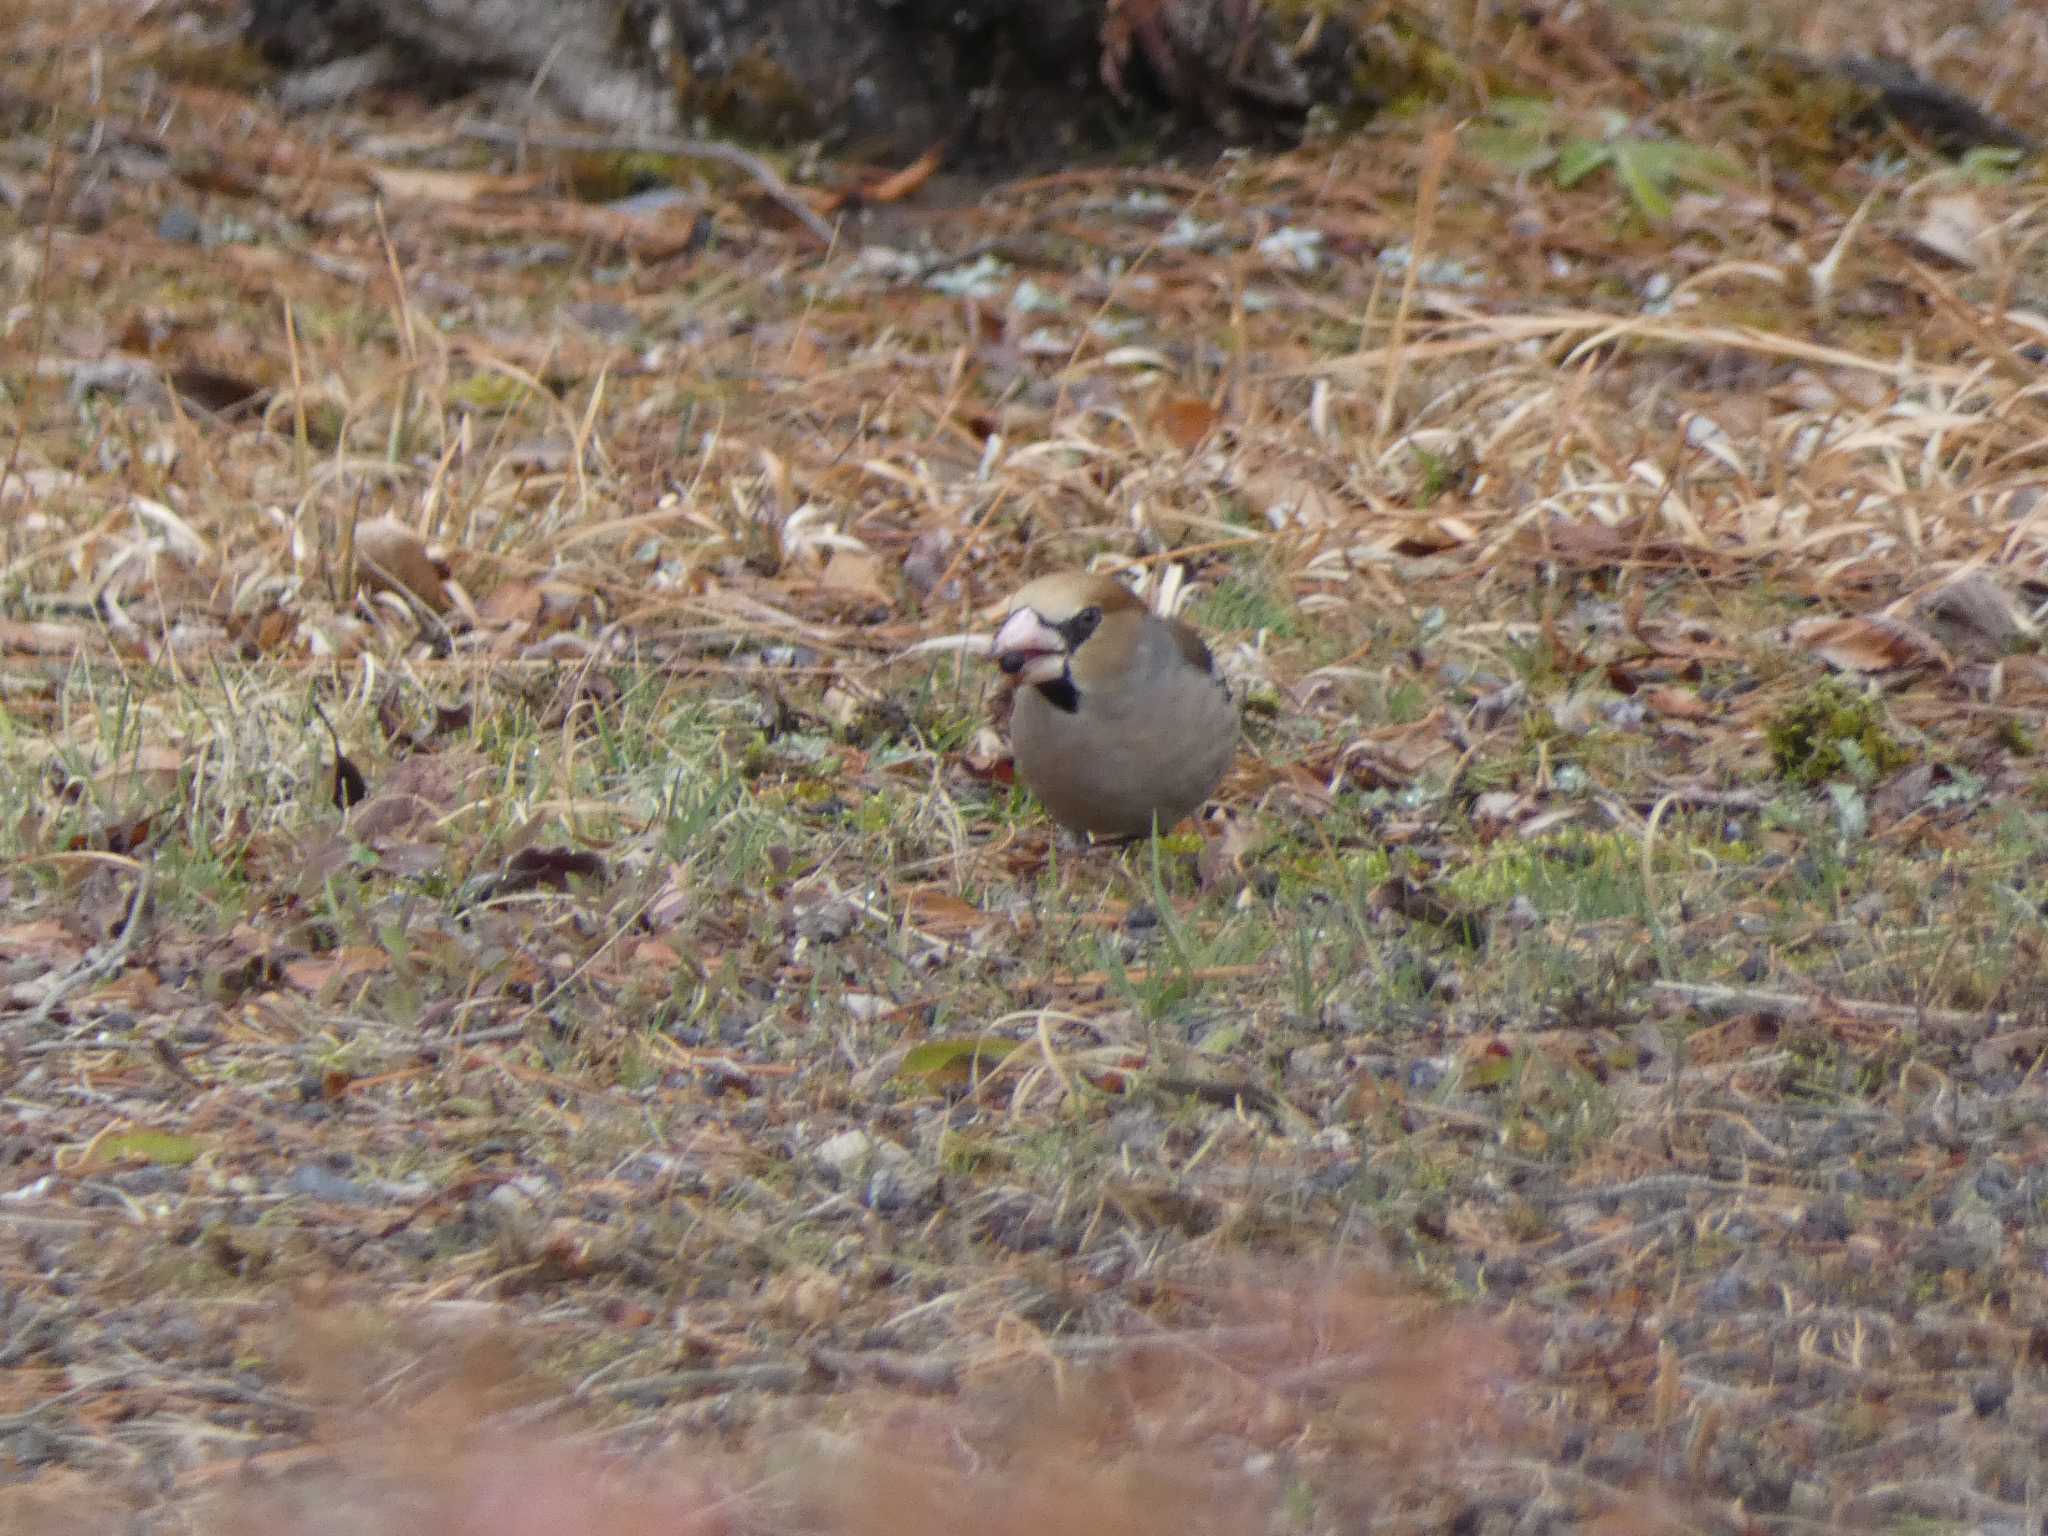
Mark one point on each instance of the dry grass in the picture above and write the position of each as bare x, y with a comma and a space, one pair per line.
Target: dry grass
1624, 926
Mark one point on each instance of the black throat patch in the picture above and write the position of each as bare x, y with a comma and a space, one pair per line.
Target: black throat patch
1060, 694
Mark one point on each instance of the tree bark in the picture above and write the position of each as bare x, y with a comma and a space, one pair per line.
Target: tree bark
996, 80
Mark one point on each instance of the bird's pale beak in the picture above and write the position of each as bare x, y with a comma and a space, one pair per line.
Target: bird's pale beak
1029, 649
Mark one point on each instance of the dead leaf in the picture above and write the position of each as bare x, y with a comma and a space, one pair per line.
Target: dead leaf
585, 696
1678, 703
1226, 839
314, 974
1431, 538
430, 186
896, 187
1286, 499
265, 632
217, 392
955, 1063
987, 757
1977, 608
1955, 229
1489, 1063
123, 835
1870, 643
1404, 898
350, 787
30, 637
939, 912
513, 603
1187, 421
856, 573
150, 770
46, 941
390, 557
653, 954
418, 792
551, 869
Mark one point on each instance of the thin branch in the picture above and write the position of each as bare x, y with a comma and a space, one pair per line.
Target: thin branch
94, 967
658, 144
1804, 1007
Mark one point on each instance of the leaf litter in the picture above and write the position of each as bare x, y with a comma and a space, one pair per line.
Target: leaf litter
530, 998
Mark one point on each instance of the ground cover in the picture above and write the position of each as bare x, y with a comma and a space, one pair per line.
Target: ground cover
530, 999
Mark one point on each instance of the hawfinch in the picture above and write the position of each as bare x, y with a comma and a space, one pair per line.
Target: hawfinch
1121, 721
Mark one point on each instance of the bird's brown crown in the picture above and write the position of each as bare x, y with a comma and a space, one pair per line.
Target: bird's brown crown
1059, 597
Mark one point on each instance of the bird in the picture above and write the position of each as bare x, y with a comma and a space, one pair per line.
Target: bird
1121, 723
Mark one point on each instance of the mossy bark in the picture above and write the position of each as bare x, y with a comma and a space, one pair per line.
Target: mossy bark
995, 80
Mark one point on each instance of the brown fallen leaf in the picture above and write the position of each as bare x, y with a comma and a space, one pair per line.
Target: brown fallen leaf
653, 954
265, 632
1281, 496
936, 911
316, 973
1187, 421
987, 757
390, 557
512, 603
1226, 839
1404, 898
34, 637
45, 941
430, 186
533, 869
856, 574
1678, 703
418, 793
2020, 1049
585, 696
1955, 228
1976, 613
121, 834
901, 184
1487, 1064
349, 786
216, 390
151, 769
1868, 643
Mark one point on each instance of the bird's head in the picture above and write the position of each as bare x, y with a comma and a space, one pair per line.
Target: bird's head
1071, 627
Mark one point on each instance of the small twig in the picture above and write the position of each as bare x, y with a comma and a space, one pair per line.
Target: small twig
1655, 1184
1436, 153
926, 1373
1573, 1257
28, 1416
937, 1372
93, 967
491, 1036
1250, 1336
40, 314
760, 1376
1804, 1008
659, 144
83, 1045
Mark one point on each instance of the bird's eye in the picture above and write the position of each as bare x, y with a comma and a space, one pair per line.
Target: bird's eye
1082, 624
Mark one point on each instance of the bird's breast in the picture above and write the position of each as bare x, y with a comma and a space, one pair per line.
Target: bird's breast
1122, 757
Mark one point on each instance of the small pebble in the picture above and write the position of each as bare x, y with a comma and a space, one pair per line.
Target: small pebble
181, 224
